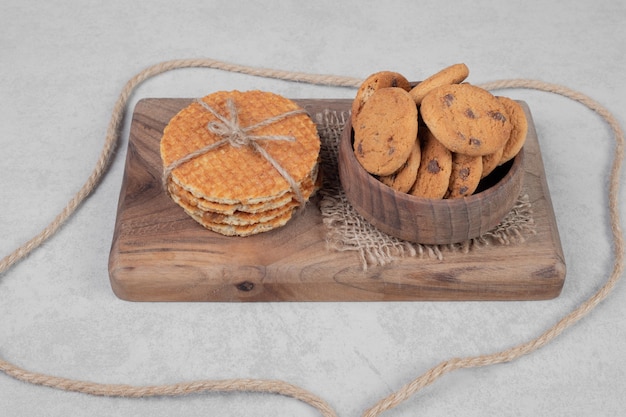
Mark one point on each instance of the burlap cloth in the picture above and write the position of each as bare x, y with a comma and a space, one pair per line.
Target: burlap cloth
347, 230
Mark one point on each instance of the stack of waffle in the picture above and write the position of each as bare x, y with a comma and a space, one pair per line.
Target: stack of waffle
241, 163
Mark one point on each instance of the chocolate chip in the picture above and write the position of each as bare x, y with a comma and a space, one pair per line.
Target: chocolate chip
394, 82
464, 173
359, 148
475, 142
448, 99
433, 166
470, 114
463, 190
496, 115
391, 151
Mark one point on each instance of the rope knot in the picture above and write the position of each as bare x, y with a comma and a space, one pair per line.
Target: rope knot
233, 133
238, 138
228, 128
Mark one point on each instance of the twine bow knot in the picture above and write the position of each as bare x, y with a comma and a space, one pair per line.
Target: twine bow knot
231, 132
235, 135
230, 129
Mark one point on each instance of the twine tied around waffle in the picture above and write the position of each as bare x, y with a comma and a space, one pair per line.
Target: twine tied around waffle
232, 133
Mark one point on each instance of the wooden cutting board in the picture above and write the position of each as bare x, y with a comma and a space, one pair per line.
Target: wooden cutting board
158, 253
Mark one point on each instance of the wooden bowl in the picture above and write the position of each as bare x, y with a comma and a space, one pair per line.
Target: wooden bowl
423, 220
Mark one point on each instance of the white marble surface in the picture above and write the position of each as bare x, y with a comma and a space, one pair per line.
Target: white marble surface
62, 66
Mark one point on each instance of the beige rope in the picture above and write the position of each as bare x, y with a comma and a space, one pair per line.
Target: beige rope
179, 389
280, 387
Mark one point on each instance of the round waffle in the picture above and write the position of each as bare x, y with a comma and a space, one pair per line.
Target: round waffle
306, 188
242, 215
239, 163
245, 230
191, 200
237, 218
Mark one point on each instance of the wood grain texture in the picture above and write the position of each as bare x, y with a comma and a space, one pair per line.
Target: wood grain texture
158, 253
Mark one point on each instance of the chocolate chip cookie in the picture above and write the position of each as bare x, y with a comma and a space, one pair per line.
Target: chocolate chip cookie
385, 131
466, 119
491, 161
376, 81
465, 176
433, 175
519, 129
453, 74
403, 179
